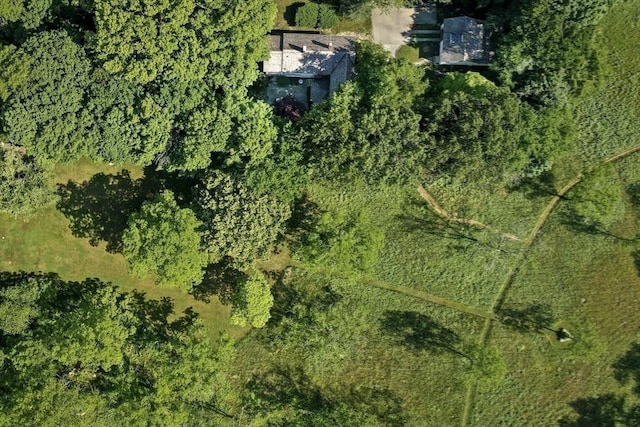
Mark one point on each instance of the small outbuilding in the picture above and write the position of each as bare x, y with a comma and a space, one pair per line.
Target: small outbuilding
463, 42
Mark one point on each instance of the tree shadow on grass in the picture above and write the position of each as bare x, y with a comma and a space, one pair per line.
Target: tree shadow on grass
533, 318
633, 190
602, 411
611, 410
418, 219
585, 225
290, 13
291, 391
158, 316
540, 186
220, 279
99, 209
636, 260
420, 332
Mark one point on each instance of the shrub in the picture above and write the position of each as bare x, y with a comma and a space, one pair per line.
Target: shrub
307, 15
409, 53
327, 18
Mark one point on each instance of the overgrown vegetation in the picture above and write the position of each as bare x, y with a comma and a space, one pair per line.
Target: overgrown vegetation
501, 293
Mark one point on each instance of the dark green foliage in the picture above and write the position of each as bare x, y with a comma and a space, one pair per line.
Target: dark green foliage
78, 350
162, 239
314, 15
368, 128
327, 18
14, 66
307, 15
43, 114
253, 131
477, 128
205, 131
283, 175
547, 54
29, 13
237, 224
98, 209
221, 43
24, 186
125, 124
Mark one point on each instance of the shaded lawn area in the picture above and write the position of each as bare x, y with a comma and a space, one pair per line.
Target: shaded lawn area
45, 242
352, 350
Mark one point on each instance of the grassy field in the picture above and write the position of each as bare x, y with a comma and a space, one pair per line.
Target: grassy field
590, 282
365, 356
44, 242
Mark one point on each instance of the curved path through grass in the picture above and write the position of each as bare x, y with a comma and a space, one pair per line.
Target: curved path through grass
405, 290
446, 215
502, 292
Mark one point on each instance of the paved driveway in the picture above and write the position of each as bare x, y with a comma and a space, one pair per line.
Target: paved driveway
391, 26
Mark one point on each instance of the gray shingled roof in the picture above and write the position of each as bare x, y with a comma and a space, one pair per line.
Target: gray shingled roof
463, 42
309, 55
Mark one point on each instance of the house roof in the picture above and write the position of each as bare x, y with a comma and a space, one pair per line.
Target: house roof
463, 42
309, 55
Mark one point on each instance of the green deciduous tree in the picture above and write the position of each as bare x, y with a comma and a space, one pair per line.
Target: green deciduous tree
162, 239
252, 302
547, 54
368, 128
343, 241
253, 131
184, 40
283, 175
84, 353
477, 128
29, 13
124, 123
237, 223
205, 131
43, 114
14, 67
327, 18
307, 15
24, 186
141, 40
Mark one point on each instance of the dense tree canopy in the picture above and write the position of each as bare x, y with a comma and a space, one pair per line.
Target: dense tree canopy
42, 114
368, 128
237, 223
546, 52
124, 123
29, 13
84, 353
162, 239
184, 40
477, 127
24, 186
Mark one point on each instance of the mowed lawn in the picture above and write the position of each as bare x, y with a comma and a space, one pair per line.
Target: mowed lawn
45, 243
